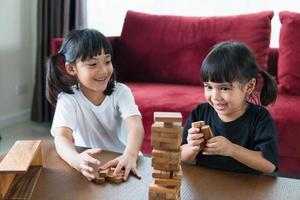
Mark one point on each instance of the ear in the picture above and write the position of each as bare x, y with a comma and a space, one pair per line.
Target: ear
250, 86
70, 69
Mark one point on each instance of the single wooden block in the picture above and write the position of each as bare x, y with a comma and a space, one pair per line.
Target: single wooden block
159, 127
166, 161
161, 173
165, 146
168, 117
170, 167
177, 174
99, 179
207, 132
167, 140
21, 156
171, 193
103, 172
198, 124
156, 153
167, 182
119, 178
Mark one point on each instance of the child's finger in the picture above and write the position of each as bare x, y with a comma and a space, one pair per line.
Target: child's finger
86, 168
118, 169
136, 173
111, 163
92, 160
196, 136
127, 171
211, 144
193, 130
87, 175
94, 151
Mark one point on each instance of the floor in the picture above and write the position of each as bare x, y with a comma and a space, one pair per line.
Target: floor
23, 131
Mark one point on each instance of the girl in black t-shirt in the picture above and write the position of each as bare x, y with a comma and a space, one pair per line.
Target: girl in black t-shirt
245, 138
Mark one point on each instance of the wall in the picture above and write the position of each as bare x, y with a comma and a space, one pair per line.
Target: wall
17, 59
108, 16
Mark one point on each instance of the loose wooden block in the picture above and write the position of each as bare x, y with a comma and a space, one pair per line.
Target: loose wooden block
119, 178
207, 132
20, 157
167, 117
198, 124
103, 172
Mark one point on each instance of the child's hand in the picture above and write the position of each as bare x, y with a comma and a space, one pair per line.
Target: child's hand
218, 145
126, 161
84, 162
195, 139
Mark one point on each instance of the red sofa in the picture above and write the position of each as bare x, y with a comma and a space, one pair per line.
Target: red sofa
159, 58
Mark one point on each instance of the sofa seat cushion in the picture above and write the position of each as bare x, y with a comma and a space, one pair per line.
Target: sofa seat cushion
170, 49
153, 97
289, 53
286, 114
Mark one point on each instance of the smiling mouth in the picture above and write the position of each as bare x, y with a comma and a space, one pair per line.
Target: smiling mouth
219, 106
101, 79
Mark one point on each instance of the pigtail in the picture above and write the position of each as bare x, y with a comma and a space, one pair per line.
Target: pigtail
57, 80
269, 90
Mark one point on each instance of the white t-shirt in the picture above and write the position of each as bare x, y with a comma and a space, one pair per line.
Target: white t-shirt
96, 126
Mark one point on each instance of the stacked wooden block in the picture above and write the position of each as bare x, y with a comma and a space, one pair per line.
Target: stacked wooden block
166, 136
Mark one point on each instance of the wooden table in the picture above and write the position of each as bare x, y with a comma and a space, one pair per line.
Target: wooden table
59, 181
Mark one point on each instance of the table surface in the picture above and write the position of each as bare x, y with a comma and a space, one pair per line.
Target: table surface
59, 181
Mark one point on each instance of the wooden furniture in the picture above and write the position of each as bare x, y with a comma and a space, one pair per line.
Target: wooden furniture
59, 181
23, 158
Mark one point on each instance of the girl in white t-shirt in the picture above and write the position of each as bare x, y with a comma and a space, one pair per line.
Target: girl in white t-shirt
92, 109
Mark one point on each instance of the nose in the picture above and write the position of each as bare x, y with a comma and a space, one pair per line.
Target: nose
216, 95
102, 70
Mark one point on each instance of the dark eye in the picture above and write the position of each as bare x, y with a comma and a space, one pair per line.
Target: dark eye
108, 62
225, 88
208, 87
92, 64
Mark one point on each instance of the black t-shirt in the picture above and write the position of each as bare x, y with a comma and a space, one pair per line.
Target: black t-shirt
254, 130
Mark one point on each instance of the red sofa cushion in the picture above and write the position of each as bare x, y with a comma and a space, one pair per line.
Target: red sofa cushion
171, 49
289, 53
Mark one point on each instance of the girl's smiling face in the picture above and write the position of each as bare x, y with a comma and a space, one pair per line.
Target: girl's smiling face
94, 73
228, 99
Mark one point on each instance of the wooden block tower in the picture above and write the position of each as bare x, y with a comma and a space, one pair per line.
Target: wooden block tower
166, 136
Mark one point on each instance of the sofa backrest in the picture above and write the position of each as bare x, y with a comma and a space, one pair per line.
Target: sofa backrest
115, 42
170, 49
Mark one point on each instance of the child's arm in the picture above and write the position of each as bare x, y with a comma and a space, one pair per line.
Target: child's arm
134, 142
254, 159
193, 147
80, 161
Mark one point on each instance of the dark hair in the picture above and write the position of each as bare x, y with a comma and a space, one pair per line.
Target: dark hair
79, 44
234, 61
